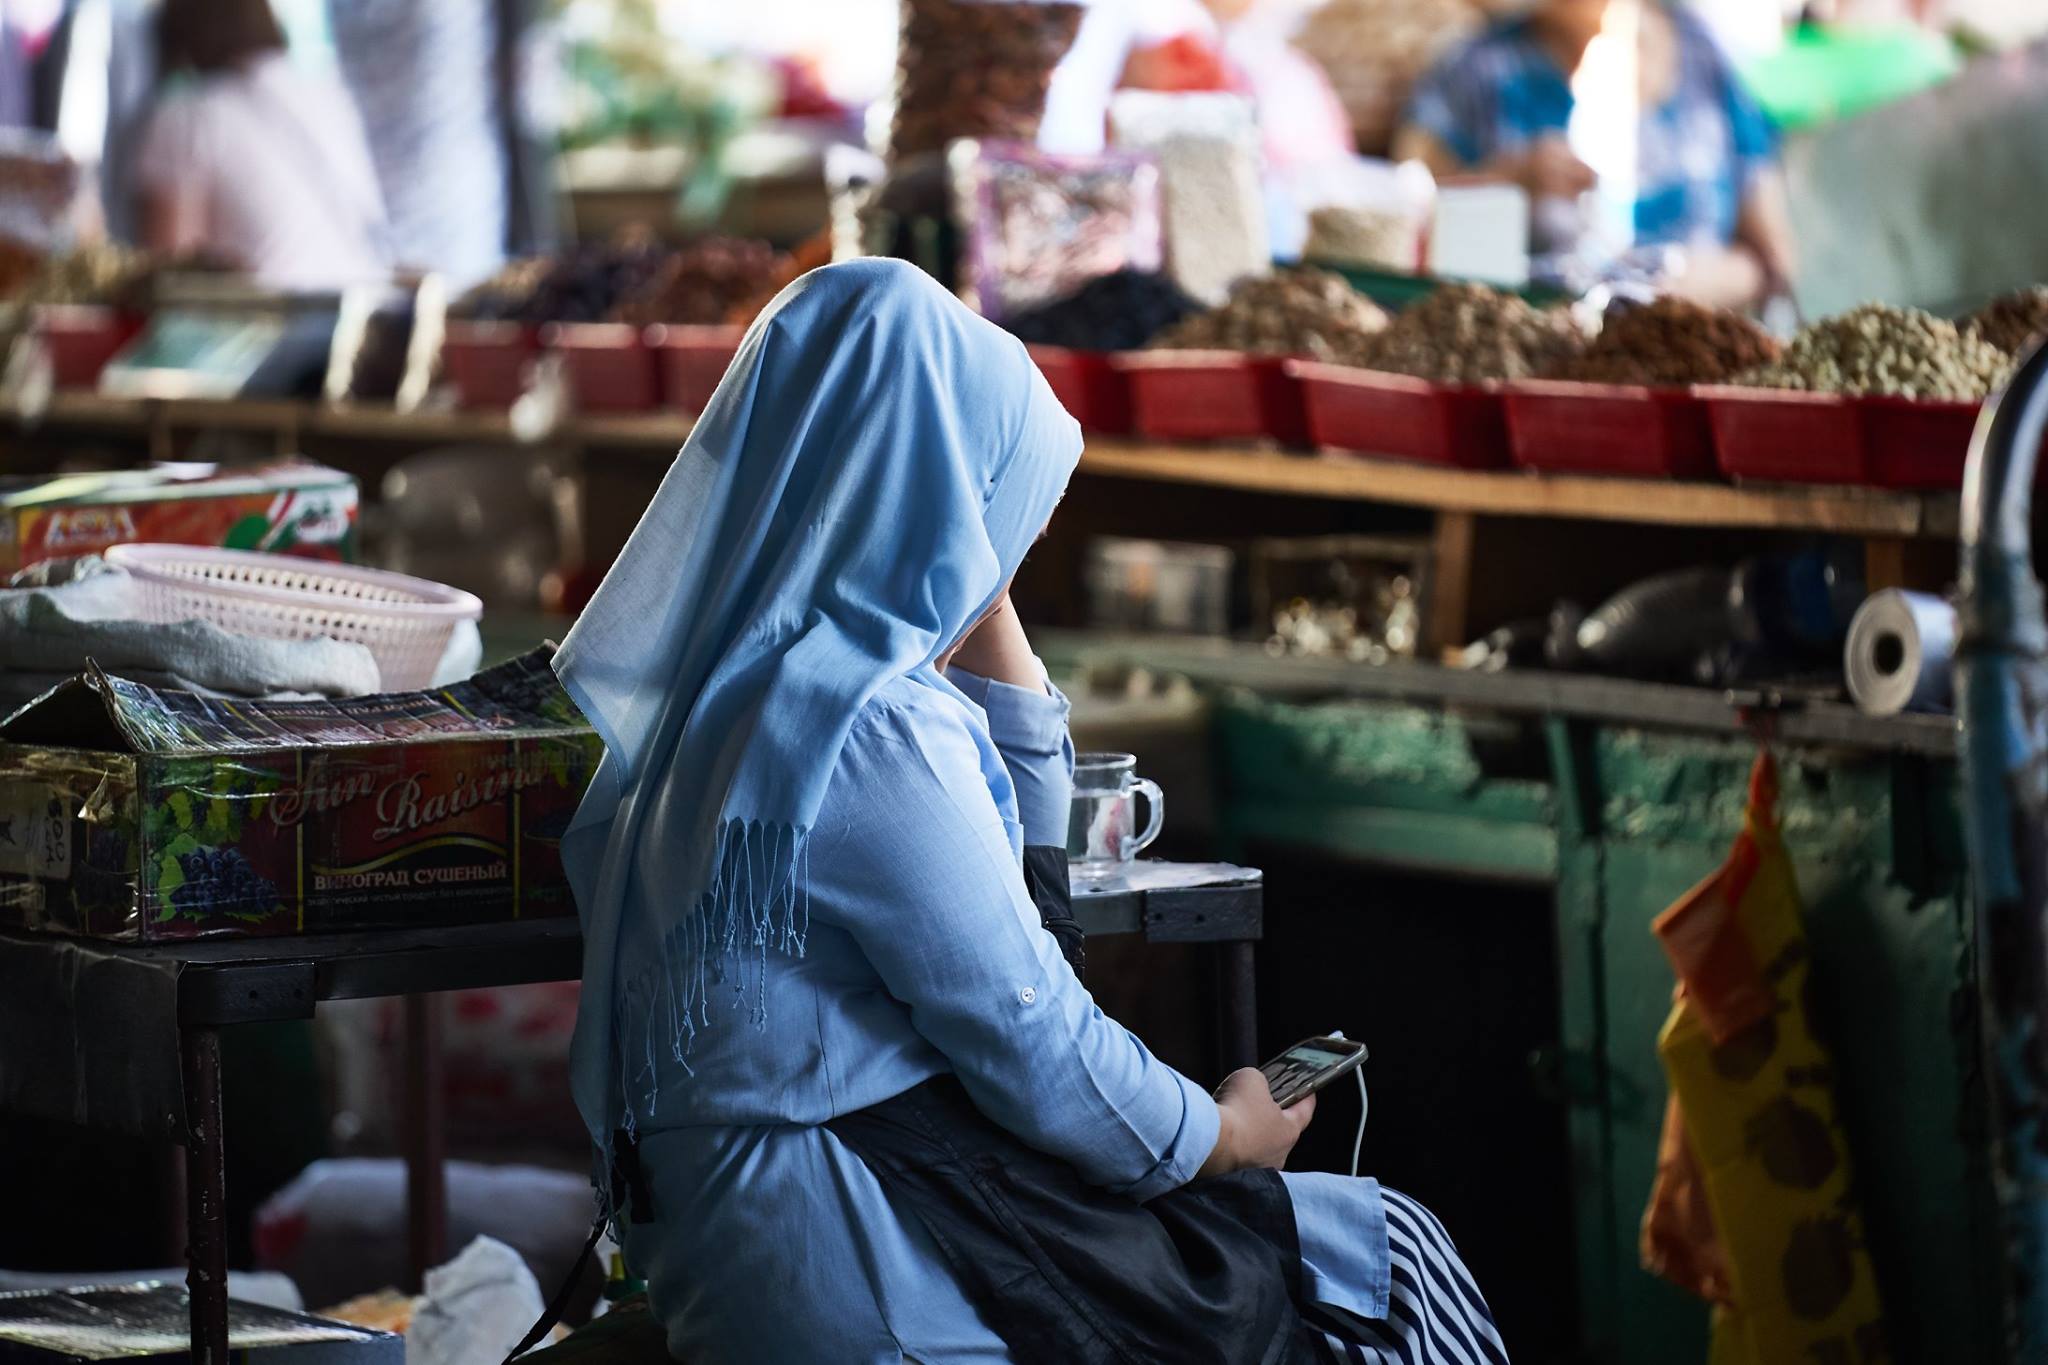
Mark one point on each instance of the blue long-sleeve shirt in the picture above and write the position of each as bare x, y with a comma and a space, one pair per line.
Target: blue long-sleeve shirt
772, 1240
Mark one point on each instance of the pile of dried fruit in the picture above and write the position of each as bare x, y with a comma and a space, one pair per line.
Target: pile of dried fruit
1468, 333
1671, 341
2014, 322
101, 273
1301, 312
703, 282
1878, 349
632, 278
583, 284
970, 69
18, 263
1116, 312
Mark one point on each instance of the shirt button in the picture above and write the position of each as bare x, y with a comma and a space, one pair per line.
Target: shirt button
1027, 996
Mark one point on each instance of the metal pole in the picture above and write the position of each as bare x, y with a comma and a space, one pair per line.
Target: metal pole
1240, 1004
206, 1246
2002, 697
426, 1138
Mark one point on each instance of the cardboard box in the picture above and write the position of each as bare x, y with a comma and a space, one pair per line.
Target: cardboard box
136, 1323
130, 813
294, 509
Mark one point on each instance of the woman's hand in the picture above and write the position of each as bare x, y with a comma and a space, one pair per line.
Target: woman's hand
1256, 1132
996, 648
1547, 169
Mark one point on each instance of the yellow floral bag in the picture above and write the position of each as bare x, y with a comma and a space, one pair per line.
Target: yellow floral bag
1757, 1131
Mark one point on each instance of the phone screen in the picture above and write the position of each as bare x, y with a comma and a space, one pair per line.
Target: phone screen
1308, 1066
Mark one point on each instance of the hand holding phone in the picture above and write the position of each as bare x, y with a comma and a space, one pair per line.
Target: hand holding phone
1253, 1132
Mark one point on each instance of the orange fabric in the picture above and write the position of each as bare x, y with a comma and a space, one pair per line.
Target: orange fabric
1702, 934
1679, 1243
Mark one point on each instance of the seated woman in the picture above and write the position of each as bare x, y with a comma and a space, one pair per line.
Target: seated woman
852, 1101
1706, 171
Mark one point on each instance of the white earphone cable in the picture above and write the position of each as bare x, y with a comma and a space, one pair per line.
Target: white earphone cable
1358, 1140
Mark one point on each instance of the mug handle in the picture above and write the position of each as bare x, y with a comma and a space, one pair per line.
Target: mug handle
1156, 799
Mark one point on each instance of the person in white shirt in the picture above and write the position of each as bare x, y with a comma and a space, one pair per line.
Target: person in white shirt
252, 160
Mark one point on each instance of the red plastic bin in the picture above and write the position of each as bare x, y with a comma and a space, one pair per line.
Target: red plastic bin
486, 362
81, 339
1369, 412
692, 360
1096, 392
607, 365
1570, 428
1786, 435
1923, 443
1918, 443
1212, 396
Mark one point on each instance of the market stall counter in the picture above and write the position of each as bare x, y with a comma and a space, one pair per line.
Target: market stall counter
126, 1036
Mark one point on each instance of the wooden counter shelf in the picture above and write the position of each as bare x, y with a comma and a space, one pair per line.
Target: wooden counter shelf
1513, 493
1507, 493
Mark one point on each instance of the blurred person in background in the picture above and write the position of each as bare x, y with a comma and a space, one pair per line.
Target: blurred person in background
435, 81
252, 161
1707, 177
1235, 46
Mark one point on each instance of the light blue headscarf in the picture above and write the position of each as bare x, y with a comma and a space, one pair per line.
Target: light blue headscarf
866, 479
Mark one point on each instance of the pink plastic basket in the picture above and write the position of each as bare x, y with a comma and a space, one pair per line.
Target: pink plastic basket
404, 621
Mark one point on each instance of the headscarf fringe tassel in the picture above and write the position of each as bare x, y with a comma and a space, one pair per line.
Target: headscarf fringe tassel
714, 960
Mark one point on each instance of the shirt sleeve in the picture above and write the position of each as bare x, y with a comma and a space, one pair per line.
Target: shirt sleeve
932, 894
1445, 103
1029, 727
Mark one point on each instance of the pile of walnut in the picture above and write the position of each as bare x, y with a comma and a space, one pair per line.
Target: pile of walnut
1468, 333
1878, 349
1303, 312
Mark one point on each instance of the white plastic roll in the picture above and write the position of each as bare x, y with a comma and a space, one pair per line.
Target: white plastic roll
1901, 645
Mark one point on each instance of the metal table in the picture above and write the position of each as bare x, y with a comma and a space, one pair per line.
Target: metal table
71, 1021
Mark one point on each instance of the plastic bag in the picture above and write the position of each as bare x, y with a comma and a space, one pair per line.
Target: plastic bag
1038, 226
1207, 148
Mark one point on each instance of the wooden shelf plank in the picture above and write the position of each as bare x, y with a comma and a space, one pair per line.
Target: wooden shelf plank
1226, 663
1846, 511
73, 408
374, 423
658, 430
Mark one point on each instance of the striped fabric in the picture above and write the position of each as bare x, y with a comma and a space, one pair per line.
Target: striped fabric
1435, 1315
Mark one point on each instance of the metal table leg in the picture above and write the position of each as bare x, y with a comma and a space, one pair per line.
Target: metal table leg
426, 1137
206, 1247
1240, 1004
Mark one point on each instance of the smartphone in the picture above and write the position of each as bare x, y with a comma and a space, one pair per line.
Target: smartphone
1310, 1065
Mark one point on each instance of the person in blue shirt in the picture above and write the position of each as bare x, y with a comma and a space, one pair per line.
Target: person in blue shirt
850, 1099
1707, 181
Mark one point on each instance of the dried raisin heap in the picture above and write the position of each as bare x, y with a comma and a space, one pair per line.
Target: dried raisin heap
1670, 341
2015, 321
1117, 312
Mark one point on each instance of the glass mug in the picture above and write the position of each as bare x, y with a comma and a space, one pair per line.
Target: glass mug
1100, 833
